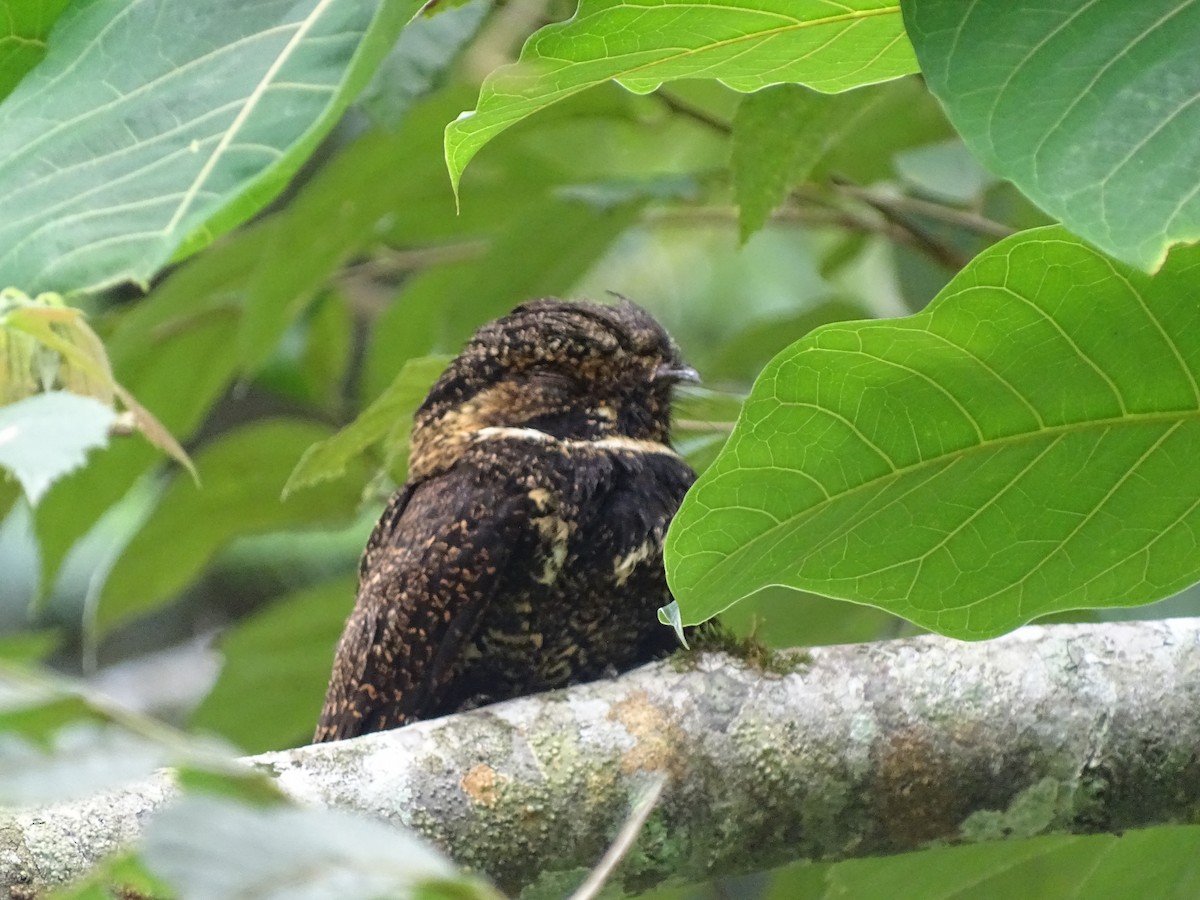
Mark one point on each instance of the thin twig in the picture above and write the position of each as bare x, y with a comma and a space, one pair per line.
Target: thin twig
816, 216
932, 246
892, 209
684, 108
621, 846
369, 284
388, 262
962, 218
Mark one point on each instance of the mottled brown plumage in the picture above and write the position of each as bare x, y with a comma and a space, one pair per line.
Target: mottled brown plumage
525, 550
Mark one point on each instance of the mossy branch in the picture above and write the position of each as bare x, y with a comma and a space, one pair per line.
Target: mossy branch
858, 750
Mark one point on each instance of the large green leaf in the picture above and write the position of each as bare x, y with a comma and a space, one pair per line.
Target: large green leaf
746, 44
1089, 106
242, 474
1024, 445
179, 349
277, 664
153, 125
1153, 862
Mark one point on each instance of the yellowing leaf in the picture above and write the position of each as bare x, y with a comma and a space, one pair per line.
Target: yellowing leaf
45, 344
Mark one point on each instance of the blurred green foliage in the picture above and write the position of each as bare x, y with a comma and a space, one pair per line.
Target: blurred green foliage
742, 221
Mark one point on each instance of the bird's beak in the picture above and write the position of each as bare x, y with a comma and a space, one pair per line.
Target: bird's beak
676, 374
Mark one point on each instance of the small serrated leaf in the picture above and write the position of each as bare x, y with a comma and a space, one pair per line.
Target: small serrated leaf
44, 437
746, 44
67, 354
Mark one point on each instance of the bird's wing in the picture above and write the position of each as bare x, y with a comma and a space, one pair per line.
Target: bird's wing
432, 566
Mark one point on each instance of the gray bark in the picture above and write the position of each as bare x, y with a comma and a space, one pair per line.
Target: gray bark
855, 751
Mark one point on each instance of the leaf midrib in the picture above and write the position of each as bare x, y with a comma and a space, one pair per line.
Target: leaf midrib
1166, 417
304, 26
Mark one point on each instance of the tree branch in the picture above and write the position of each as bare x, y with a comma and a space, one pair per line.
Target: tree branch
859, 750
962, 218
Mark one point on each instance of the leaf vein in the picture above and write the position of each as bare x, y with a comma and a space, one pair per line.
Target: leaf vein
252, 101
1059, 546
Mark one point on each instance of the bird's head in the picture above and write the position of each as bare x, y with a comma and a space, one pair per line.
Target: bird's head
570, 370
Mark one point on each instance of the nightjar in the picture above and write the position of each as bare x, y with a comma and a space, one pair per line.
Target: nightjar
524, 552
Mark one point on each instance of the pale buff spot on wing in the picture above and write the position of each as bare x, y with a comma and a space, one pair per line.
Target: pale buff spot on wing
555, 532
623, 566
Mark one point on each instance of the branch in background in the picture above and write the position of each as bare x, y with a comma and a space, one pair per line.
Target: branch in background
896, 211
914, 234
386, 262
809, 214
857, 751
965, 219
687, 110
